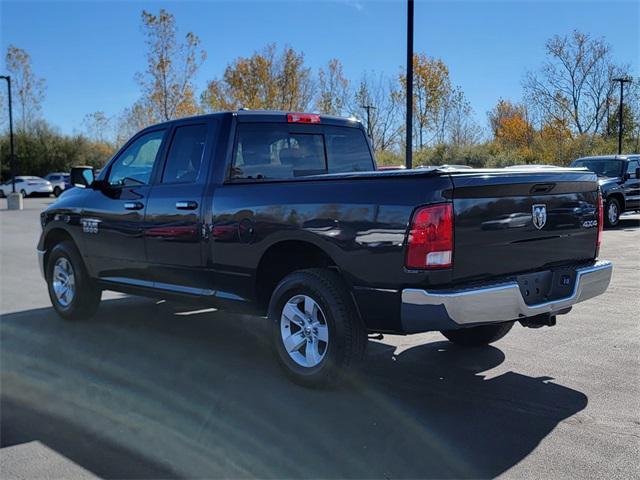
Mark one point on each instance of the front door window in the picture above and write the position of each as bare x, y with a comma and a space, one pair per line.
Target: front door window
134, 165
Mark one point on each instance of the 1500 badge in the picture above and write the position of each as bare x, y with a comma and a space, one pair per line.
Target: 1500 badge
90, 225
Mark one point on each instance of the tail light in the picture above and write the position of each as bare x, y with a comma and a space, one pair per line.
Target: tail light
600, 222
430, 240
303, 118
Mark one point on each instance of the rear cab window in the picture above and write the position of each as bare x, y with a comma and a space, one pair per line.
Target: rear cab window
276, 151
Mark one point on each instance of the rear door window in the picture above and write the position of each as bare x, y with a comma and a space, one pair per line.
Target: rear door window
184, 160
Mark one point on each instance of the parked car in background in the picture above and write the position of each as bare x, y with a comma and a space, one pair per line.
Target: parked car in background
60, 182
619, 179
28, 186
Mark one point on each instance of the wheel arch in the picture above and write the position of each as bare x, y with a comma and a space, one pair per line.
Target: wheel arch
620, 198
55, 236
283, 258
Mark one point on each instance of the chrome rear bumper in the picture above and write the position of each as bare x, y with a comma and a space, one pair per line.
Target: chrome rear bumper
424, 310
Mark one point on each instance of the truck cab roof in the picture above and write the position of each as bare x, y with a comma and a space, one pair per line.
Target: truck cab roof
268, 116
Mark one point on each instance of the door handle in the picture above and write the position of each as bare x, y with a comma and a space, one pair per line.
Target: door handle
186, 205
133, 205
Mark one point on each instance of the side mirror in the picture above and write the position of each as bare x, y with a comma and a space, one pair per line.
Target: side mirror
82, 177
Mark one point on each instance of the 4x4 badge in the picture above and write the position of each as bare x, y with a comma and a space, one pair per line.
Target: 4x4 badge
539, 215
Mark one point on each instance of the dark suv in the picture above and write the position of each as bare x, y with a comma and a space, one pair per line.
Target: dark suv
619, 179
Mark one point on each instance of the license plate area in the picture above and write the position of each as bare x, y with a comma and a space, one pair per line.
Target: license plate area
546, 286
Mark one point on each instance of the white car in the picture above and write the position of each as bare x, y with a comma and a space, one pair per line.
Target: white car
28, 186
59, 181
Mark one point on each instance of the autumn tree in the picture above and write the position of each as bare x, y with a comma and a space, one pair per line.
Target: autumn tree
510, 124
266, 80
167, 83
333, 89
574, 83
28, 89
380, 93
431, 86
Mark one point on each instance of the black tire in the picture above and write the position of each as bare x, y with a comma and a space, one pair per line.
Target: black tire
86, 298
347, 336
478, 336
614, 205
23, 192
57, 191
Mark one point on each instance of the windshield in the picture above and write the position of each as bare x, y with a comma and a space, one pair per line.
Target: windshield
601, 167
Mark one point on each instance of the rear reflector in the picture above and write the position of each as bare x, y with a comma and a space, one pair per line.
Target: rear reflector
303, 118
430, 241
600, 223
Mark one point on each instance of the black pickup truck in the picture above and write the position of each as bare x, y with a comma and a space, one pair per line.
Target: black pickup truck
619, 180
284, 215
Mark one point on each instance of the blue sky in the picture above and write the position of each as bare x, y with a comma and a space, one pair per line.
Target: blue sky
89, 52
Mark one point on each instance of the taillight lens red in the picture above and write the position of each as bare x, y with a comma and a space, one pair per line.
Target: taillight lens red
600, 223
303, 118
430, 241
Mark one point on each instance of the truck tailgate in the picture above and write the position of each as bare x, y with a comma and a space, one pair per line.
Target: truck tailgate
509, 222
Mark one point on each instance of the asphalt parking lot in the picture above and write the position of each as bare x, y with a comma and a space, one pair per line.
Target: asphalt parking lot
151, 390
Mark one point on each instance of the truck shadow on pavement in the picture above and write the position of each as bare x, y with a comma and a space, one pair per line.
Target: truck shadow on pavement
143, 391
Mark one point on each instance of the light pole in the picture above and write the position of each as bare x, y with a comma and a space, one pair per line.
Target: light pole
11, 150
409, 139
622, 81
368, 108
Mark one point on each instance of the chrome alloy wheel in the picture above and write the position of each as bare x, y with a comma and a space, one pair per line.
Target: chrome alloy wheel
304, 331
64, 282
612, 213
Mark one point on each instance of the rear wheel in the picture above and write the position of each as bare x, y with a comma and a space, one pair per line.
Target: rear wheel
57, 191
612, 212
23, 192
317, 334
73, 294
478, 336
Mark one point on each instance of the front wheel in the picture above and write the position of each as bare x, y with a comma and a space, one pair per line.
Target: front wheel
478, 336
317, 334
57, 191
23, 192
73, 294
611, 212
